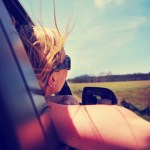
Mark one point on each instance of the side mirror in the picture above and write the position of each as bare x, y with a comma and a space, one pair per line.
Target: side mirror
98, 95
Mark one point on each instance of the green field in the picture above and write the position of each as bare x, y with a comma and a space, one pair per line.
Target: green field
135, 92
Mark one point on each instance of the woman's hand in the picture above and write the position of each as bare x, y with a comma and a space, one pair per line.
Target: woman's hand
63, 99
69, 100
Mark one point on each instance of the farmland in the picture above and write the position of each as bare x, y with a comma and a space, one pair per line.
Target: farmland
135, 92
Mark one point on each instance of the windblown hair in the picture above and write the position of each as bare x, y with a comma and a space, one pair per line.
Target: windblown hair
43, 46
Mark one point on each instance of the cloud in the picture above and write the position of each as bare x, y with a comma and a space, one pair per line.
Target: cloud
132, 25
114, 35
76, 2
136, 23
123, 40
103, 3
108, 39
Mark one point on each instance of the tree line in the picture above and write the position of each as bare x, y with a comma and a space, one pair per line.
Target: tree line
110, 78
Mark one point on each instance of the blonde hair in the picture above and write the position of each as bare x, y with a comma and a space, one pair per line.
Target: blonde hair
43, 46
51, 43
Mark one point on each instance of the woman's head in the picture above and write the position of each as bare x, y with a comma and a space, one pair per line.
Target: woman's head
45, 48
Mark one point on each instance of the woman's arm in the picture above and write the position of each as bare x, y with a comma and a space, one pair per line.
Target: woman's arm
95, 127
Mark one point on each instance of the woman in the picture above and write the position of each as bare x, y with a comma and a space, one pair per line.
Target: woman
82, 127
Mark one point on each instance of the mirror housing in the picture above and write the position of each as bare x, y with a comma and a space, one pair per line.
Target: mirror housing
98, 95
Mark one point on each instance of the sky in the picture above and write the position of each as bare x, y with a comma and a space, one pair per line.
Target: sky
108, 35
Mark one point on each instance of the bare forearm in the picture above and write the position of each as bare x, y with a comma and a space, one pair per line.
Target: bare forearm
100, 127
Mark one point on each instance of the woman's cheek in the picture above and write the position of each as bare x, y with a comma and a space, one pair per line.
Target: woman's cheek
62, 78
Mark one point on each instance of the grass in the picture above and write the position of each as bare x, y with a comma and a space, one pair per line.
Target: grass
135, 92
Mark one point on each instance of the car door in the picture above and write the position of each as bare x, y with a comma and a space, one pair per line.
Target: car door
24, 120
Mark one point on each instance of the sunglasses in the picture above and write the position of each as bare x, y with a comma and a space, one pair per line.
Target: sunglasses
65, 65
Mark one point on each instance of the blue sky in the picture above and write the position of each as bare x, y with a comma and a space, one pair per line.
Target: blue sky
109, 35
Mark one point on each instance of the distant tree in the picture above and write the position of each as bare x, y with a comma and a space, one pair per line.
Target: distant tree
108, 77
109, 73
102, 74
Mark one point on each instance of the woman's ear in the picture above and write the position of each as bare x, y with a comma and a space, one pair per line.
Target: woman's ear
52, 80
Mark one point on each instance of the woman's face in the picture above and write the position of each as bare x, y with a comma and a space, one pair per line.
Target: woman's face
62, 74
57, 79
